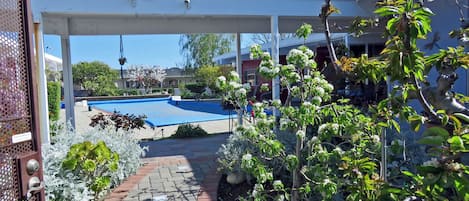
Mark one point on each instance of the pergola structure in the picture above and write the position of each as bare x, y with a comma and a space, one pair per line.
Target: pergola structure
116, 17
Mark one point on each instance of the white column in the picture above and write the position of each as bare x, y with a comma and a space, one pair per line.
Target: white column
68, 80
42, 84
347, 44
239, 70
275, 58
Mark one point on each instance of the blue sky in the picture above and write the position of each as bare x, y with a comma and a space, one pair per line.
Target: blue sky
162, 50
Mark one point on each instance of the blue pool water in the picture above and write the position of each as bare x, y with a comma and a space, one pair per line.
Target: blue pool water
163, 111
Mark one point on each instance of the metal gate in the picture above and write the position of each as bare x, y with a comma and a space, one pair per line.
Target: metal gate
20, 164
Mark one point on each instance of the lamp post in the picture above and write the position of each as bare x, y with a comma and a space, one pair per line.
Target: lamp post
122, 60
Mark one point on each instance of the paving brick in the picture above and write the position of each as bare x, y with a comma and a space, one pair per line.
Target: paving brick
164, 173
145, 196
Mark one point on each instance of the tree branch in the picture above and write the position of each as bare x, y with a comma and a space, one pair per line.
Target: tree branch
330, 46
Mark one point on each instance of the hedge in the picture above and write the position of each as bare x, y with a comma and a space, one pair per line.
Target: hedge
53, 98
196, 87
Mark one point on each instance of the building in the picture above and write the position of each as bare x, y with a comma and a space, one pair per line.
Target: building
176, 76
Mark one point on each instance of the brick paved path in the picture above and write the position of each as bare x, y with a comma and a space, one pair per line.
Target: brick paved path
175, 169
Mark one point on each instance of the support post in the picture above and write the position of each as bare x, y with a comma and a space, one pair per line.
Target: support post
42, 84
239, 70
347, 44
68, 79
275, 57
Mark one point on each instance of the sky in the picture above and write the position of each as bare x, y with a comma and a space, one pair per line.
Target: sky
161, 50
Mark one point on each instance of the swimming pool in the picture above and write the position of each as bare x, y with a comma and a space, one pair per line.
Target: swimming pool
164, 111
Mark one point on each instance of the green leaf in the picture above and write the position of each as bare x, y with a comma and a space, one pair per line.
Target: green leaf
392, 25
444, 119
387, 10
70, 164
465, 137
430, 180
409, 174
462, 116
393, 190
382, 124
457, 123
396, 125
436, 131
89, 165
432, 140
292, 162
456, 143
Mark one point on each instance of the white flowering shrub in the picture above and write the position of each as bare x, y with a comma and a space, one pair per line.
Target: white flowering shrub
61, 184
318, 150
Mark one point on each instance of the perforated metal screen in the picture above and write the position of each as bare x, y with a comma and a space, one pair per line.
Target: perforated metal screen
15, 113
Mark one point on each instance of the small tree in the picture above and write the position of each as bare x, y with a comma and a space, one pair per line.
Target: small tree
443, 177
208, 75
200, 49
138, 74
145, 75
158, 74
95, 76
323, 150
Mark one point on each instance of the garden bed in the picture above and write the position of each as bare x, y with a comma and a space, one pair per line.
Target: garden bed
229, 192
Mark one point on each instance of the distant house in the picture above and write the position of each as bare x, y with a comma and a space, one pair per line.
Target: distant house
53, 63
176, 76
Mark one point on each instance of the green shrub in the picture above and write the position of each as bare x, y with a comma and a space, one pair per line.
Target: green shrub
53, 98
133, 92
186, 94
156, 91
63, 184
95, 161
196, 87
188, 130
118, 121
170, 90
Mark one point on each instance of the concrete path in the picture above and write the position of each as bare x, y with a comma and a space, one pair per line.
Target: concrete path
175, 169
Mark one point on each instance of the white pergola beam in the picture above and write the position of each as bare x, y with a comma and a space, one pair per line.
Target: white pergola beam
110, 17
107, 25
198, 7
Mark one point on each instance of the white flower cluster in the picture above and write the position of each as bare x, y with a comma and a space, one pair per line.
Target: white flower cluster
284, 123
300, 134
301, 57
328, 127
454, 166
247, 157
240, 93
375, 138
221, 81
276, 103
432, 163
255, 49
234, 75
